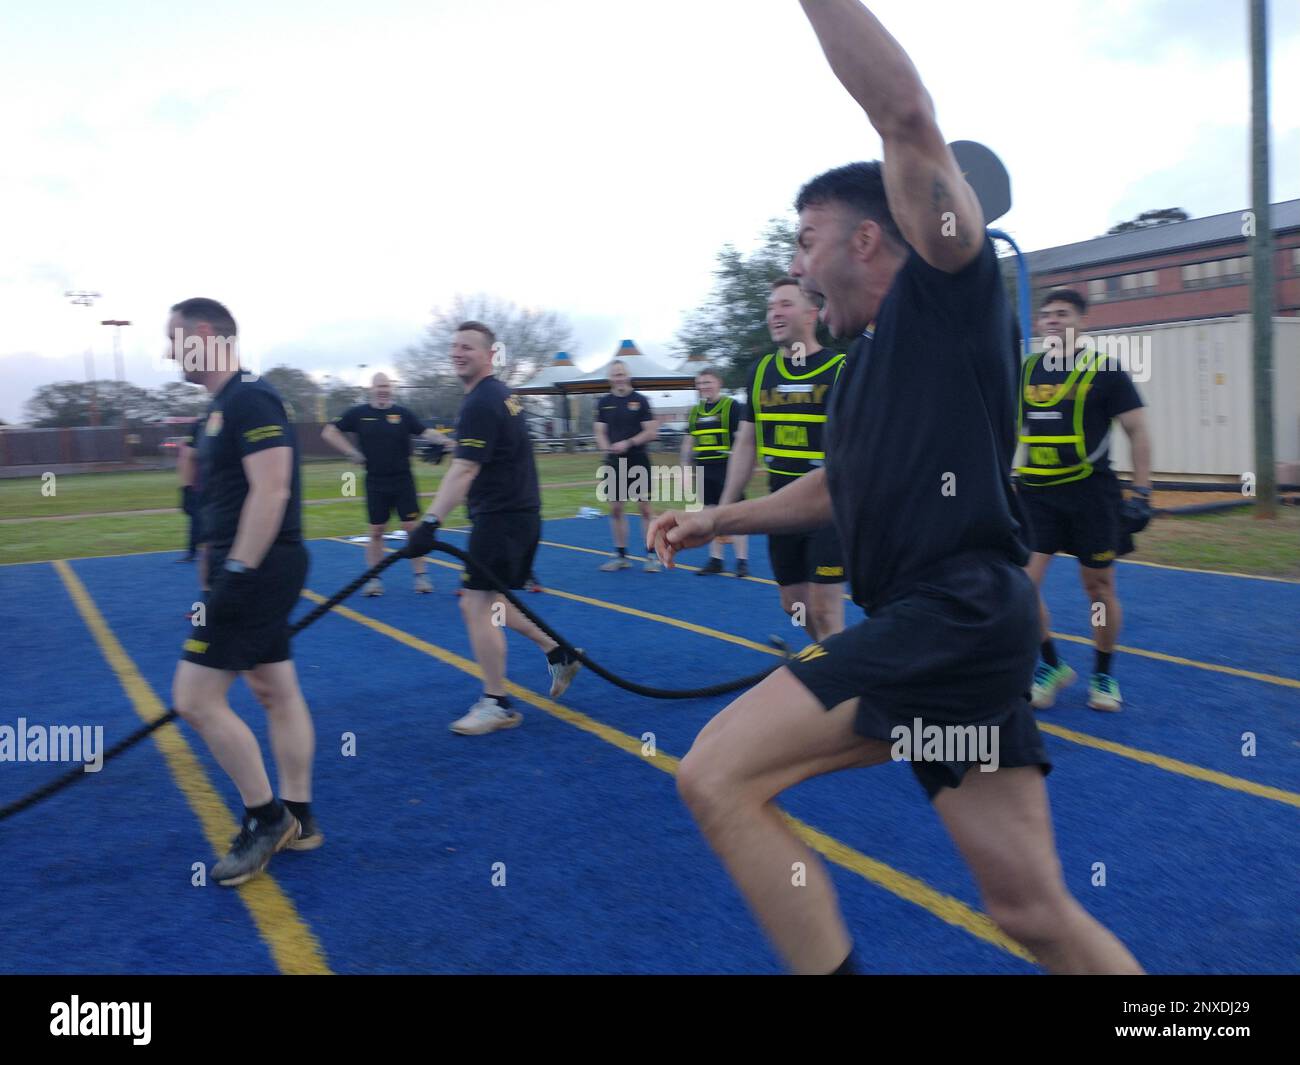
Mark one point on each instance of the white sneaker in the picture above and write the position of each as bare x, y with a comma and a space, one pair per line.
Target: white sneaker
373, 587
423, 585
562, 675
653, 565
617, 563
486, 716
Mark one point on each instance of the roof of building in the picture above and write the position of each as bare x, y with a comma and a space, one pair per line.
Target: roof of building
1138, 243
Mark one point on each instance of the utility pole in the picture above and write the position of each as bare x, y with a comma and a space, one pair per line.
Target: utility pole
1261, 277
87, 299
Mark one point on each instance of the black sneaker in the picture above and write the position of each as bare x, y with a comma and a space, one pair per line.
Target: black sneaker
742, 568
309, 835
714, 566
251, 850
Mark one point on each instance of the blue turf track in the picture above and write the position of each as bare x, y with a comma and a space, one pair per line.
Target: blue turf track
605, 871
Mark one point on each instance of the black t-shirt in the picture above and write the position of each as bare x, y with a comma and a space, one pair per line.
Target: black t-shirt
705, 416
491, 430
244, 417
922, 430
624, 416
1110, 394
384, 435
195, 435
799, 390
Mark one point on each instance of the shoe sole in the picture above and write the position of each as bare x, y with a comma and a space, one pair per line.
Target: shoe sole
290, 834
1115, 709
559, 688
516, 719
306, 843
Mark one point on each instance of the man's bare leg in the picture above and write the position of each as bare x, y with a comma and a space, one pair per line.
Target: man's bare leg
375, 545
1037, 570
795, 601
293, 736
417, 564
826, 608
199, 694
1099, 587
618, 523
1002, 825
771, 738
487, 639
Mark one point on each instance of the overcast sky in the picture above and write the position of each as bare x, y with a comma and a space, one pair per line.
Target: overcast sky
333, 170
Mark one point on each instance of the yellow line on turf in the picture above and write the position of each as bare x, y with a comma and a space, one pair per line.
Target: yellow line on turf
948, 909
1173, 765
1212, 667
1160, 761
1215, 572
292, 945
1267, 678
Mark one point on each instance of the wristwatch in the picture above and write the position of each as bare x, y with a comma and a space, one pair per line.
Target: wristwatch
235, 566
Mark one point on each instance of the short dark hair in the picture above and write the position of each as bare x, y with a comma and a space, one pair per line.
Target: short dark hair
478, 327
1065, 295
781, 282
210, 311
859, 186
712, 371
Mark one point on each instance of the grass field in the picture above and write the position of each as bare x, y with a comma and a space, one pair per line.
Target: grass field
94, 524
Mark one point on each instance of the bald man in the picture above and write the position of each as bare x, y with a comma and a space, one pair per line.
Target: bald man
384, 431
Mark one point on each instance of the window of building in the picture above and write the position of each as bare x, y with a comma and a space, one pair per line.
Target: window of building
1120, 286
1217, 272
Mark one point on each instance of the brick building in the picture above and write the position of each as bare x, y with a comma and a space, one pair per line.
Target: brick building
1182, 271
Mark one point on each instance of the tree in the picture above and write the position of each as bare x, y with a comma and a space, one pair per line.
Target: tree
69, 403
297, 389
340, 397
1160, 216
730, 327
180, 399
529, 338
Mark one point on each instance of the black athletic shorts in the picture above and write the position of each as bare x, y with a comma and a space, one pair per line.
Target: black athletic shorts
958, 649
506, 543
262, 634
1080, 519
618, 481
384, 495
714, 479
806, 556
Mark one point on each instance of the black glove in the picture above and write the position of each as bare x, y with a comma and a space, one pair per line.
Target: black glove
420, 540
232, 595
1136, 512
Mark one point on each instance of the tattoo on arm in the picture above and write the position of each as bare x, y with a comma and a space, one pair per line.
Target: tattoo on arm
940, 199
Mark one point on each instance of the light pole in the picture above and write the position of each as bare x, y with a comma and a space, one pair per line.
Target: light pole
117, 324
87, 299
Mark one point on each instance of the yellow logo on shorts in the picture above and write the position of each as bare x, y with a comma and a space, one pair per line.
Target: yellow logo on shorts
830, 571
1103, 556
813, 650
197, 647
